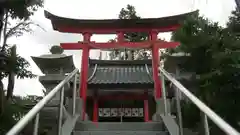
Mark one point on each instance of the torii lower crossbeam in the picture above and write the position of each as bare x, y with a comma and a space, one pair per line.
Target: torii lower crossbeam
95, 45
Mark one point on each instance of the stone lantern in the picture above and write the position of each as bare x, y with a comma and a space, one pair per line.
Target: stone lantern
55, 66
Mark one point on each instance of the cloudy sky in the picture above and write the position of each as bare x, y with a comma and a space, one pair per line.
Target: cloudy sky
39, 42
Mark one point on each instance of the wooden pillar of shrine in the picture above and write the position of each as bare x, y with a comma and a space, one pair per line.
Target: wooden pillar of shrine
146, 108
95, 107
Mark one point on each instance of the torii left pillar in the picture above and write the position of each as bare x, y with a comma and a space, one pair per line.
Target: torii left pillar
84, 73
157, 82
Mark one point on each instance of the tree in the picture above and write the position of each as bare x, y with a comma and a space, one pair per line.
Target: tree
130, 13
20, 9
14, 111
14, 64
214, 57
234, 21
11, 64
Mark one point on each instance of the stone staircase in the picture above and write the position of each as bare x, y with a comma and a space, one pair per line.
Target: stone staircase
164, 124
114, 128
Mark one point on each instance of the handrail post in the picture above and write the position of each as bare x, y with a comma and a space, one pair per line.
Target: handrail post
36, 125
60, 116
179, 112
74, 95
206, 127
41, 104
228, 129
164, 94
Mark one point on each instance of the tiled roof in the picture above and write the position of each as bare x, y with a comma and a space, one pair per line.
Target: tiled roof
120, 73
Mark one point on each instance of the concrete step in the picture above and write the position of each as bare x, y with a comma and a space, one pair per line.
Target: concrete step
120, 133
117, 126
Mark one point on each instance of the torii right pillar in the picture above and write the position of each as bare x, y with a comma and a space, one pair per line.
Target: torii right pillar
157, 82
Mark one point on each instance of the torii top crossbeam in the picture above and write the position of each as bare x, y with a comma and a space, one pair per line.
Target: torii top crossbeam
117, 26
113, 26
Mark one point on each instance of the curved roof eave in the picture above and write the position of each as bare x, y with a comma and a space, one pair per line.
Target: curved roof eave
58, 21
44, 63
120, 62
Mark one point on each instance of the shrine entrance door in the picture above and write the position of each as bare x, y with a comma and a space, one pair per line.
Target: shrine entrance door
121, 111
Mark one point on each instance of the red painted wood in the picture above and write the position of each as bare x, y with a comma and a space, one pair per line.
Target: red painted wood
87, 37
94, 45
69, 29
84, 76
146, 108
84, 73
120, 37
155, 65
95, 110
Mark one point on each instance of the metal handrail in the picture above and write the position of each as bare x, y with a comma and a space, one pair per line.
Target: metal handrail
34, 112
205, 109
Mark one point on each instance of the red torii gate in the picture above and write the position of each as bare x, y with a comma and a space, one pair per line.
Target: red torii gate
153, 26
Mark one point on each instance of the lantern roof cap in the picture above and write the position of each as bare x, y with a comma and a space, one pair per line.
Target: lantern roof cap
53, 62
